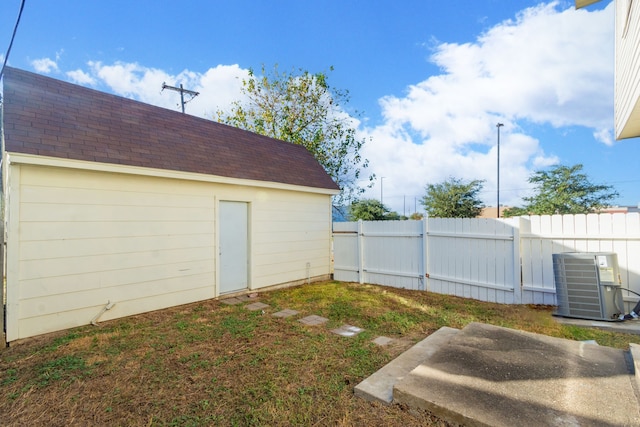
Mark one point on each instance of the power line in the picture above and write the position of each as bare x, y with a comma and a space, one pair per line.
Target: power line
13, 36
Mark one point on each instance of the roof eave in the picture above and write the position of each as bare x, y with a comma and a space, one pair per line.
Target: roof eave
39, 160
584, 3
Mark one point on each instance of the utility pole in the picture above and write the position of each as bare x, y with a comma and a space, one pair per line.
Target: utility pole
499, 125
182, 91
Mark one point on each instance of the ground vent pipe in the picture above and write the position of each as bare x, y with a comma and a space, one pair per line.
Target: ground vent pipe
107, 306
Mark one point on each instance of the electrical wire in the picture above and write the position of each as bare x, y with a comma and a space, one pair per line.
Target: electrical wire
615, 302
13, 36
629, 290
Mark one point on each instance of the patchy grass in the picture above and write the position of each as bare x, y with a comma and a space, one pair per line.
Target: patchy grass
212, 364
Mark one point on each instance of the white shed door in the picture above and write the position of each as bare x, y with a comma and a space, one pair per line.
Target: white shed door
234, 244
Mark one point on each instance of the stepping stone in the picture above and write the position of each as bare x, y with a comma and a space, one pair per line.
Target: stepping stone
285, 313
256, 306
231, 301
313, 320
347, 330
382, 341
244, 298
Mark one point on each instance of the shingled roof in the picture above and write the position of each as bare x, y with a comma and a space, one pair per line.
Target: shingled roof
49, 117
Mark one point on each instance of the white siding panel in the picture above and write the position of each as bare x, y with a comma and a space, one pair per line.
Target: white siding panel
40, 287
54, 249
43, 231
106, 197
78, 239
37, 212
291, 237
81, 298
53, 267
58, 321
91, 237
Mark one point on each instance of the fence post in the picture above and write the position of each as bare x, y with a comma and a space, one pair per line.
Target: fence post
425, 252
360, 252
516, 223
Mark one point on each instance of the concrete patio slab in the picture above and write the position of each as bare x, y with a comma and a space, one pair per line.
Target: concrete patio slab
379, 386
492, 376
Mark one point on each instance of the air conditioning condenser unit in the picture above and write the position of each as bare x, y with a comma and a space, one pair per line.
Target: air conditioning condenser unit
588, 285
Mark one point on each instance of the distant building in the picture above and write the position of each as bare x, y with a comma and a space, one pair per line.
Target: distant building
620, 209
490, 212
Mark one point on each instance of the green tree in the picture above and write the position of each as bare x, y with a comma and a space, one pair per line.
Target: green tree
304, 109
564, 190
370, 210
453, 198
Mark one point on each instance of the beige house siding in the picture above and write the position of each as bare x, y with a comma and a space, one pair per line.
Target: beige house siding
79, 238
291, 230
627, 74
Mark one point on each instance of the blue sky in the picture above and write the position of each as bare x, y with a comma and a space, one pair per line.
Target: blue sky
431, 78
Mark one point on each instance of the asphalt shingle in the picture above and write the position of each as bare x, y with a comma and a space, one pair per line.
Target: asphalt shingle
49, 117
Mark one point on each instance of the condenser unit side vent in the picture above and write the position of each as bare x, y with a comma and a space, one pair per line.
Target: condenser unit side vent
580, 289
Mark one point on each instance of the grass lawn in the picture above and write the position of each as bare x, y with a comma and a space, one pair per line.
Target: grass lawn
213, 364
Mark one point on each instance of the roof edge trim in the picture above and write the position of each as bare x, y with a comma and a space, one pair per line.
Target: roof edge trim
37, 160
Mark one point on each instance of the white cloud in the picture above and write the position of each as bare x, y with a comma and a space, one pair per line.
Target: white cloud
604, 135
218, 86
81, 77
44, 65
47, 65
540, 68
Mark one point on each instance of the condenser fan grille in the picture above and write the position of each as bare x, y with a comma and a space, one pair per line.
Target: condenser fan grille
580, 289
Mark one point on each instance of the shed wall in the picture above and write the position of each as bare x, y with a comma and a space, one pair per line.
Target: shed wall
79, 239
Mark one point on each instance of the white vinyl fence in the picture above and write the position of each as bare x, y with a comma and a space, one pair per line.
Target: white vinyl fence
497, 260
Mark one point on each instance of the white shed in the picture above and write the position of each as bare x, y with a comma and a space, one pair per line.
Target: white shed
114, 204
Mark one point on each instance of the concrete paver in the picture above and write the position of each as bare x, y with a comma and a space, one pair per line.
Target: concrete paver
287, 312
347, 330
382, 341
256, 306
313, 320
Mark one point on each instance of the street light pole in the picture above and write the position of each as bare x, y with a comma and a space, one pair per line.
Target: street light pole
499, 125
381, 193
